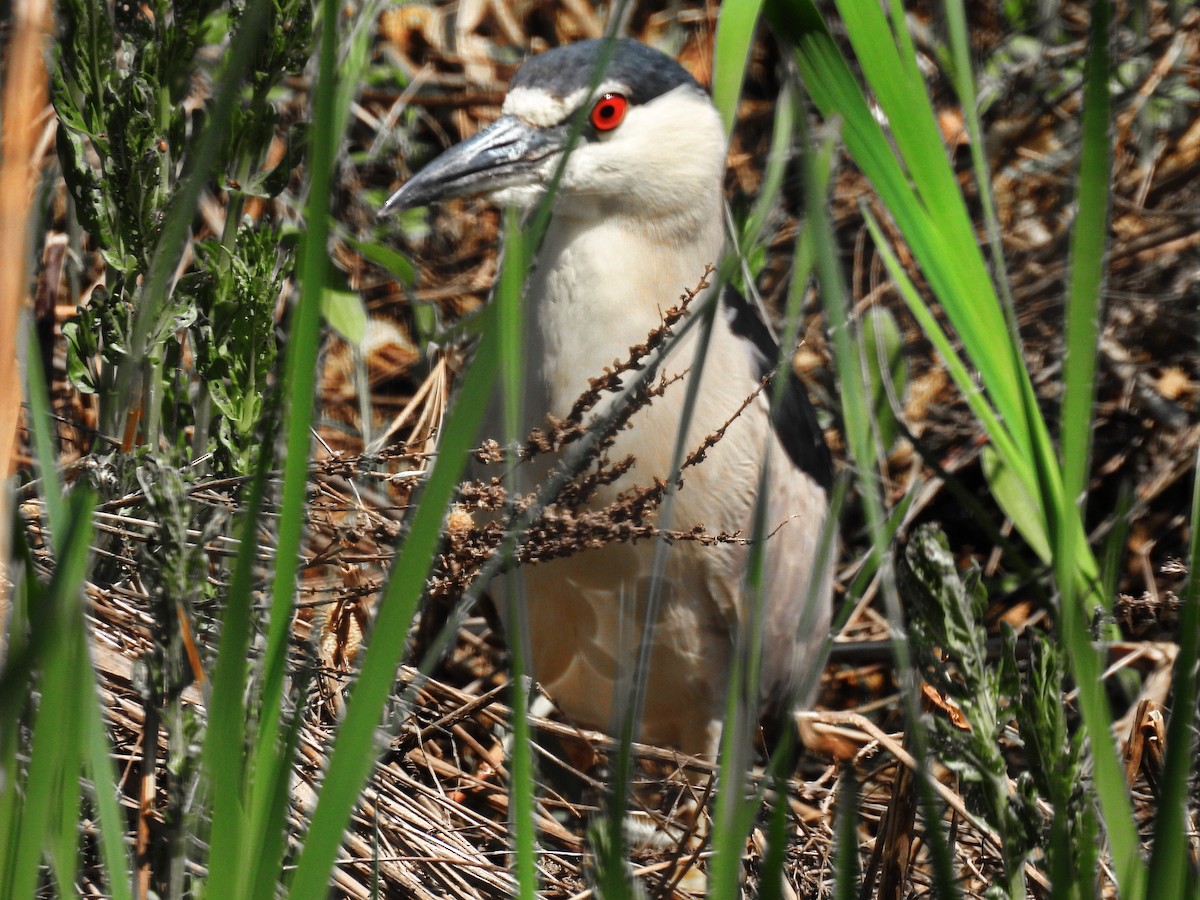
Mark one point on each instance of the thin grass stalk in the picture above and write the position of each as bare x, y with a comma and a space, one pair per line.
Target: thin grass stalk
512, 287
522, 783
802, 271
227, 737
862, 450
509, 300
771, 877
783, 129
1171, 870
845, 849
271, 826
51, 770
110, 819
300, 374
20, 661
354, 746
270, 767
23, 655
735, 810
629, 709
94, 739
41, 428
299, 390
1088, 243
56, 758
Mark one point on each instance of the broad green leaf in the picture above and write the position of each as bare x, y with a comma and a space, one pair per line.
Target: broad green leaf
343, 311
391, 261
1016, 501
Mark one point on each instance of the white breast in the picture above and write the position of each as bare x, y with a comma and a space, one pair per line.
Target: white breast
585, 613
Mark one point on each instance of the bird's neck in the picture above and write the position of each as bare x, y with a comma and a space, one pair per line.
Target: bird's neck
600, 286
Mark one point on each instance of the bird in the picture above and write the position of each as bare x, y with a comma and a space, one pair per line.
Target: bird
637, 216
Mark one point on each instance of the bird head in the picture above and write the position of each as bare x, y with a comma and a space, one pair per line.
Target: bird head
650, 141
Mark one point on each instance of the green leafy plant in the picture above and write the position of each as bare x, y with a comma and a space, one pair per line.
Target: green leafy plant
945, 615
135, 160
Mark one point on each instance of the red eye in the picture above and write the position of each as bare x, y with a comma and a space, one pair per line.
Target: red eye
608, 112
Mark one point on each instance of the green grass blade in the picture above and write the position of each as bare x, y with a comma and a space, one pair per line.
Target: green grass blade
736, 806
299, 386
41, 425
1019, 503
354, 748
863, 454
735, 33
269, 823
223, 753
94, 739
99, 760
1089, 241
55, 760
1170, 864
775, 860
919, 187
951, 258
845, 851
783, 128
509, 300
964, 85
10, 726
1088, 244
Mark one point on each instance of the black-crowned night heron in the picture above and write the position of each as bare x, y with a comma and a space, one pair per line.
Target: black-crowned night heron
637, 217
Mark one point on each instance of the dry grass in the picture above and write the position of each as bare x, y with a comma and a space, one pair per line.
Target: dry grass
432, 822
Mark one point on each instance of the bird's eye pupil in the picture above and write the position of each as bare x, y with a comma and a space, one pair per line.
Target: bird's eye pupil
608, 112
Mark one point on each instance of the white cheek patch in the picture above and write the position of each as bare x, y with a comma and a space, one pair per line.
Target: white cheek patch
534, 107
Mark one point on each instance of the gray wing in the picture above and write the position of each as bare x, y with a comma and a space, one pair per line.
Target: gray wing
794, 419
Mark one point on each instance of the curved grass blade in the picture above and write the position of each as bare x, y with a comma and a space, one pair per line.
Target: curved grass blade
1171, 873
354, 748
863, 454
845, 851
93, 739
515, 262
1088, 243
56, 757
735, 32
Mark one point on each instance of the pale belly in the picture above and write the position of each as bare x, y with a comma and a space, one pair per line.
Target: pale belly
585, 617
